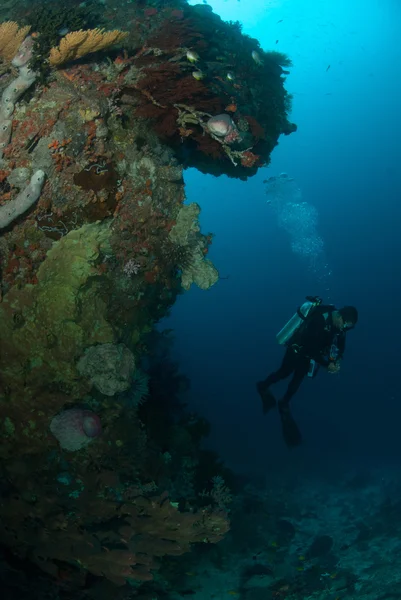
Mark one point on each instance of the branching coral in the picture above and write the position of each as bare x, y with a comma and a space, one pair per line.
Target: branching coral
163, 86
177, 35
79, 43
11, 38
51, 18
119, 542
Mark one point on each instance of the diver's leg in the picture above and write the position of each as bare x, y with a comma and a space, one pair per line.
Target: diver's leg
300, 371
287, 367
291, 433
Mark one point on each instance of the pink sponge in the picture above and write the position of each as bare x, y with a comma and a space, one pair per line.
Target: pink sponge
75, 428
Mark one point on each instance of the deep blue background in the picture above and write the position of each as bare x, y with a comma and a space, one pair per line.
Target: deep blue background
346, 159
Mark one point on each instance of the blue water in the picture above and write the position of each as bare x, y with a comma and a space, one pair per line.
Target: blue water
345, 159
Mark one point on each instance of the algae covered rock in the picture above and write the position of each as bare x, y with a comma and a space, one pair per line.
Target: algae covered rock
46, 327
109, 367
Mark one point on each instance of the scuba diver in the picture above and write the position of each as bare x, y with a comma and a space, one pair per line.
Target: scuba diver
315, 337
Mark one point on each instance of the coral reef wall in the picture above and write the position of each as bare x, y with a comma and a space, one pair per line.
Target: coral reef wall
96, 243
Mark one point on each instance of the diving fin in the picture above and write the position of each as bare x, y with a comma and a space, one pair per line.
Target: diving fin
291, 433
268, 400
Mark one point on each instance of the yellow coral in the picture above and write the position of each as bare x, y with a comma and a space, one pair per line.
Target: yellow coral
11, 38
78, 43
88, 114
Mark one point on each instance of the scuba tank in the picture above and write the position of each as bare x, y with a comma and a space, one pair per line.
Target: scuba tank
293, 325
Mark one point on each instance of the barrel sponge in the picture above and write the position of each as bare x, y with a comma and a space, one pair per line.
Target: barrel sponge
75, 428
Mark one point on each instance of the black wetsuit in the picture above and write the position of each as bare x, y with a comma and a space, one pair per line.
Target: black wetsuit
312, 341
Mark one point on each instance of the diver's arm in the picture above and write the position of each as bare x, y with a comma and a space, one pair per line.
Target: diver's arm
341, 345
334, 366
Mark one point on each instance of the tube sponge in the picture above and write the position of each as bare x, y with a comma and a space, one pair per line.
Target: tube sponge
5, 134
15, 89
24, 53
16, 207
12, 93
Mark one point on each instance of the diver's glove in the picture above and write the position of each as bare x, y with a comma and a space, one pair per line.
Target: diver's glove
333, 367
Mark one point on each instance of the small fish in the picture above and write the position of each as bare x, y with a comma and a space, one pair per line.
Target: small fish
232, 592
230, 77
328, 68
256, 58
63, 31
281, 20
198, 75
276, 41
192, 56
301, 557
32, 143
